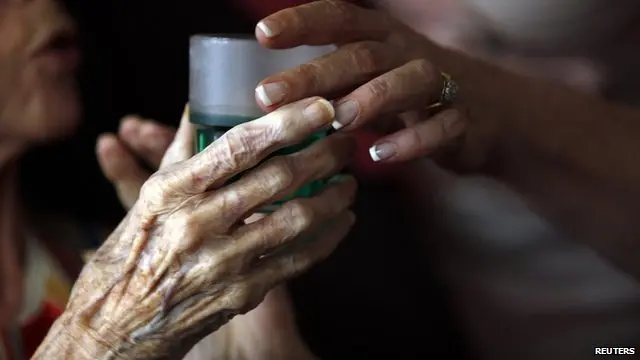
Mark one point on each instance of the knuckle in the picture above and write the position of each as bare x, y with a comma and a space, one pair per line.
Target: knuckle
242, 295
236, 146
341, 10
298, 263
302, 215
296, 17
309, 75
280, 173
244, 144
366, 57
249, 292
424, 70
228, 200
324, 162
424, 67
184, 222
378, 89
270, 130
321, 160
242, 299
156, 187
149, 187
415, 139
188, 228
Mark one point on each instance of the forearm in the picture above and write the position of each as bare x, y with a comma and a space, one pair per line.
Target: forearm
573, 157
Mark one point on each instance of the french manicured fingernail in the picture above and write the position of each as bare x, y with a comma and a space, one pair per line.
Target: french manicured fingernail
382, 151
345, 114
271, 93
319, 111
268, 28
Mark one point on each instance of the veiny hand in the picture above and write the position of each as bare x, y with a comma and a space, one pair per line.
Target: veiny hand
267, 332
383, 60
182, 263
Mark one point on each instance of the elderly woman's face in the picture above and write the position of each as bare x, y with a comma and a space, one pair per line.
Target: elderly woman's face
38, 60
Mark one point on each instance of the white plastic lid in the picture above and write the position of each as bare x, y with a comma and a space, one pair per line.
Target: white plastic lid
224, 72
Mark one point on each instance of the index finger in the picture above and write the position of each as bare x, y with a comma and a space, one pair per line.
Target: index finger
245, 146
322, 23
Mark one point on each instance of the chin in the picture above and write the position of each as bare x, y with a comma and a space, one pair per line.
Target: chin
57, 127
51, 116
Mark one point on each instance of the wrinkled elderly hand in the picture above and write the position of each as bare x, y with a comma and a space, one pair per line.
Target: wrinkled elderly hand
267, 332
383, 60
182, 263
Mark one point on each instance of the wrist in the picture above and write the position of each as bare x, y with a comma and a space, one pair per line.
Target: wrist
71, 338
68, 340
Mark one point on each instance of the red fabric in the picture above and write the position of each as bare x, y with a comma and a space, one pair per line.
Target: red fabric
36, 329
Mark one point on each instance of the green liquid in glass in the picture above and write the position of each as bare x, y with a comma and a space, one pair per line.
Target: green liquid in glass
206, 134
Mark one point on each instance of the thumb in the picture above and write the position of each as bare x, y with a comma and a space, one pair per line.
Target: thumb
182, 146
121, 168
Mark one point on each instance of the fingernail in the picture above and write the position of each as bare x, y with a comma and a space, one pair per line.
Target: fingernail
345, 114
382, 151
272, 93
268, 28
319, 111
